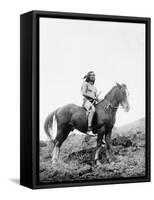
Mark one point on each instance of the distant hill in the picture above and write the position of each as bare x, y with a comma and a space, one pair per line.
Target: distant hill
131, 128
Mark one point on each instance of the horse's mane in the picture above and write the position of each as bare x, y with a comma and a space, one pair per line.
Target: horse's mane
105, 97
110, 92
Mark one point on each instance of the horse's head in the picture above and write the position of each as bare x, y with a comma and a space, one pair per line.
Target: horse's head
122, 95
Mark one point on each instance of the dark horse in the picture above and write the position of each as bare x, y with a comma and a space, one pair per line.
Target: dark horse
69, 117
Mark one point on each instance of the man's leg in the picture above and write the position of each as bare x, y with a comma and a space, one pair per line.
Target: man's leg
91, 109
90, 118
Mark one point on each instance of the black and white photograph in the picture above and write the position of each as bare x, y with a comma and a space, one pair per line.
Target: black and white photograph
76, 100
92, 100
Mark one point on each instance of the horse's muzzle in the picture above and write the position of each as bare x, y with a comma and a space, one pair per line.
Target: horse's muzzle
127, 108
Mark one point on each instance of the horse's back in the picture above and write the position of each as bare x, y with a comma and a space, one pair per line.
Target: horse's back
70, 108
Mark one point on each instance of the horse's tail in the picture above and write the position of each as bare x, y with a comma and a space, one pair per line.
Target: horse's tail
50, 126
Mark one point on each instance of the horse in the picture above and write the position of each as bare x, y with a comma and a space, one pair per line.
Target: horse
63, 120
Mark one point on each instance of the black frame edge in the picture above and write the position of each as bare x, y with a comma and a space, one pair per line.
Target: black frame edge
148, 97
26, 99
89, 16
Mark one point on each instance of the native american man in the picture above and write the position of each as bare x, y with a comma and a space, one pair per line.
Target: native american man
90, 97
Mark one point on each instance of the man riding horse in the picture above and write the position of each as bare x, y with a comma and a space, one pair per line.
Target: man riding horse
90, 95
65, 119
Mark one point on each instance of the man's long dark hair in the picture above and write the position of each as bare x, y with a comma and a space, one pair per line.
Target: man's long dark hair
87, 77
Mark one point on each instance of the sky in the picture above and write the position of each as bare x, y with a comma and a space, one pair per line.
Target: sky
70, 48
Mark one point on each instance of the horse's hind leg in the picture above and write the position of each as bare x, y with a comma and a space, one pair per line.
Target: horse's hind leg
55, 153
61, 136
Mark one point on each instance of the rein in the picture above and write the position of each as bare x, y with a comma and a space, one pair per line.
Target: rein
111, 105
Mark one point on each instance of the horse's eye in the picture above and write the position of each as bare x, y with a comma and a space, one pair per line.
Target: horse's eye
124, 93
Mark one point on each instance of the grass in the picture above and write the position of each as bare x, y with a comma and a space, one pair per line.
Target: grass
76, 160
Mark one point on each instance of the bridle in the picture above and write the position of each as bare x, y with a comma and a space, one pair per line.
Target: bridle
111, 105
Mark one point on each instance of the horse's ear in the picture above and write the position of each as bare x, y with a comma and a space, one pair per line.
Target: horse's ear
118, 85
124, 85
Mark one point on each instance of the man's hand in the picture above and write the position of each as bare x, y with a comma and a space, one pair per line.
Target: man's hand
97, 97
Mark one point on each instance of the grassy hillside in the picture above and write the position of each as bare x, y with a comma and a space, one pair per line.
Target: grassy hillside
76, 160
131, 128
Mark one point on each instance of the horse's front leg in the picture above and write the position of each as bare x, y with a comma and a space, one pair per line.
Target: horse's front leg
101, 132
108, 145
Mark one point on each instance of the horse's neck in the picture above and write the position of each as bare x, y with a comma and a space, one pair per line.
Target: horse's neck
111, 99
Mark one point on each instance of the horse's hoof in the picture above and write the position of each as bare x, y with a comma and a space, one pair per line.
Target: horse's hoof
109, 160
54, 163
87, 138
112, 163
98, 164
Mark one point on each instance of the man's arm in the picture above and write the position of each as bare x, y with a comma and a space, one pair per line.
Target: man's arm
97, 96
